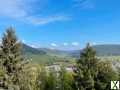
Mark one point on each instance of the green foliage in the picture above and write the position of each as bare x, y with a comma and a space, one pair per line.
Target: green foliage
49, 60
86, 69
29, 80
105, 75
51, 81
46, 80
41, 79
66, 80
16, 74
91, 73
11, 59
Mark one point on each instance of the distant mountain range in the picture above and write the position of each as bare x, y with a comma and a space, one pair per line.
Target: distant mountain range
101, 50
26, 49
107, 49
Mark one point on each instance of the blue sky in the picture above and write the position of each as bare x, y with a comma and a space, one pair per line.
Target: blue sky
62, 24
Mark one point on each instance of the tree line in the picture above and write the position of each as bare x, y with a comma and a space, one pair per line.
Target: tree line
16, 73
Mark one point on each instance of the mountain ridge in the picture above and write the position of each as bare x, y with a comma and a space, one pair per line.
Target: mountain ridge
101, 50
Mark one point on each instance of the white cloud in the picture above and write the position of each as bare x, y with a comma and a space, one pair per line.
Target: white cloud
84, 4
94, 43
20, 10
12, 8
54, 44
65, 44
33, 45
46, 20
75, 43
23, 41
52, 48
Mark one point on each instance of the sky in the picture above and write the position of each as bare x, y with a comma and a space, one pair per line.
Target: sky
62, 24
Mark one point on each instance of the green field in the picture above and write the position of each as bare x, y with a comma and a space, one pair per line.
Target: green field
50, 59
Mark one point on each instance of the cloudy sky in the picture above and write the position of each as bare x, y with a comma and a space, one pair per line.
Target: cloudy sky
62, 24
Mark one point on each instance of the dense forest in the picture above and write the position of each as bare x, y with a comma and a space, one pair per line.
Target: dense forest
18, 72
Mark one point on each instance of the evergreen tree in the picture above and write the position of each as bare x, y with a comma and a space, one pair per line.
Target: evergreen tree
85, 70
41, 80
105, 75
51, 81
46, 80
92, 73
66, 80
11, 59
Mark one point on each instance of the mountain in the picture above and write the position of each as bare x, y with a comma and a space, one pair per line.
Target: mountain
49, 56
107, 50
55, 52
44, 55
101, 50
30, 50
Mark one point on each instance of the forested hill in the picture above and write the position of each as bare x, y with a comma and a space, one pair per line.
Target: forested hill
101, 50
30, 50
107, 50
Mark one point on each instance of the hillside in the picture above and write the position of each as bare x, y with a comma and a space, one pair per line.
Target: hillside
107, 50
45, 55
101, 50
30, 50
55, 52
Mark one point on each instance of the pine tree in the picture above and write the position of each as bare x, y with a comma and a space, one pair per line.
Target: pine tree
86, 69
92, 73
51, 81
66, 80
105, 75
41, 80
11, 58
